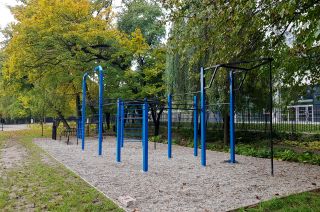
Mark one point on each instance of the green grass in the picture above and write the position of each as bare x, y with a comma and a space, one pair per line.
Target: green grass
307, 201
40, 185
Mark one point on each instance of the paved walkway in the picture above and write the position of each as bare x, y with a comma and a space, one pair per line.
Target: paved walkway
14, 127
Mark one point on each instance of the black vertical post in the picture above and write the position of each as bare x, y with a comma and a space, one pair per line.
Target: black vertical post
271, 108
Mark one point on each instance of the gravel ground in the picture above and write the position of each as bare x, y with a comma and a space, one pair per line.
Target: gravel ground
14, 127
181, 184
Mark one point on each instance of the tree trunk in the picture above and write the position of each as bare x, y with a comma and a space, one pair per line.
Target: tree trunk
91, 106
226, 128
54, 130
157, 128
64, 121
156, 119
78, 105
108, 120
226, 115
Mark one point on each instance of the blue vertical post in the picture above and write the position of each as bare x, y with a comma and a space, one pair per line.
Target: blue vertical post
169, 126
195, 126
203, 118
101, 88
83, 112
145, 137
231, 111
122, 122
118, 131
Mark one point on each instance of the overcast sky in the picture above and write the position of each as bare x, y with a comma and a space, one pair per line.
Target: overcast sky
6, 16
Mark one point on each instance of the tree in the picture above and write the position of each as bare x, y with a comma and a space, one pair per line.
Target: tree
213, 32
146, 16
142, 19
54, 43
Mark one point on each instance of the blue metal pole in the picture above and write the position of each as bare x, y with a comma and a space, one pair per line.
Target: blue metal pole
101, 88
145, 137
203, 118
169, 126
118, 131
83, 125
195, 126
122, 122
231, 111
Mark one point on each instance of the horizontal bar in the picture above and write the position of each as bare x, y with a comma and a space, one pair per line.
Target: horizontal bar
133, 128
177, 109
133, 140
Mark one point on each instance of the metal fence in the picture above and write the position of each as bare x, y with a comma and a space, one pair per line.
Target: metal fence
291, 120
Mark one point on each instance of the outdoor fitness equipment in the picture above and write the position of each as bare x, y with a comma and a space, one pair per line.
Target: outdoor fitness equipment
175, 105
122, 117
236, 67
83, 121
232, 68
136, 111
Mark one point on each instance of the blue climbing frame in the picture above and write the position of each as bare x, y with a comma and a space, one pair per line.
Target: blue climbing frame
144, 130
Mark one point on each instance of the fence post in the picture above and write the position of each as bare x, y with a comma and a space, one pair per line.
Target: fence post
83, 125
203, 118
118, 131
169, 126
231, 111
145, 137
195, 126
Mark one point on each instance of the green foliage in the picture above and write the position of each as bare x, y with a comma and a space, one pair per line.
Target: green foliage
287, 155
310, 145
140, 19
52, 44
143, 15
205, 33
